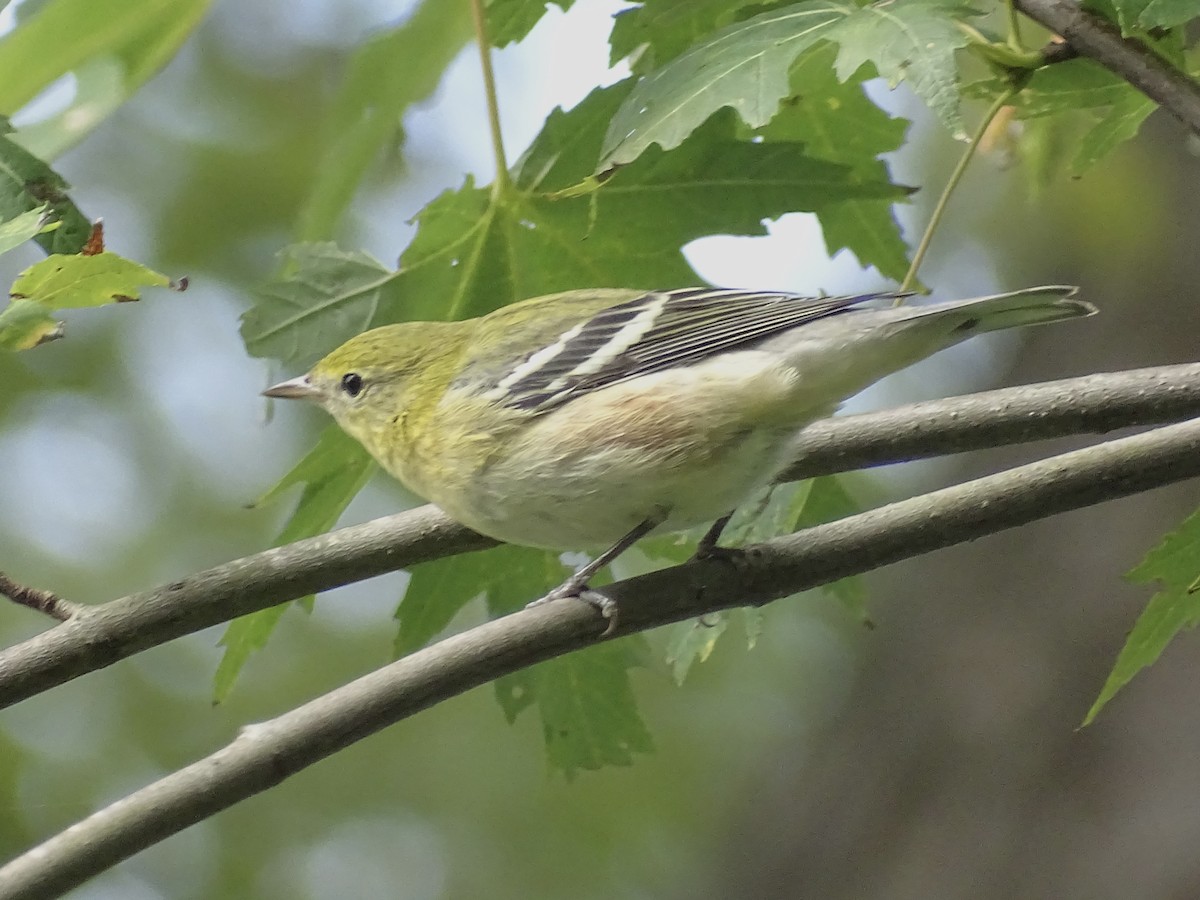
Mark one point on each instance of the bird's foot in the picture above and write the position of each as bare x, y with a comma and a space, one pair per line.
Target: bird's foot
732, 555
577, 589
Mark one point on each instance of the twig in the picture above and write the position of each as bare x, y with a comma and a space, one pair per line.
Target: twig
943, 201
1094, 36
98, 636
489, 87
36, 598
265, 754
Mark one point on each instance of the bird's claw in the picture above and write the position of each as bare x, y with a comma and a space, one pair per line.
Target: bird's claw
605, 605
735, 556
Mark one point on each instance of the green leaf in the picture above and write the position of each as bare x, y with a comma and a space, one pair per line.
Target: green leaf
752, 624
388, 73
24, 227
780, 510
1167, 13
745, 66
1075, 84
25, 325
1173, 565
663, 29
512, 20
835, 121
1136, 16
528, 574
27, 183
112, 46
693, 642
435, 593
1080, 89
475, 250
1121, 123
584, 699
332, 473
586, 704
63, 282
508, 576
912, 41
325, 296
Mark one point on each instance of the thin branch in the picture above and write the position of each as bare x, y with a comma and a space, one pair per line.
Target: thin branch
489, 88
36, 598
1094, 36
98, 636
265, 754
943, 201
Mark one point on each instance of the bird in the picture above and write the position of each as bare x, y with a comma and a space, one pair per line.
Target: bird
588, 419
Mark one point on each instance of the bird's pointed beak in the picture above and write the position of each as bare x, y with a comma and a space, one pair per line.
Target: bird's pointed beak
293, 389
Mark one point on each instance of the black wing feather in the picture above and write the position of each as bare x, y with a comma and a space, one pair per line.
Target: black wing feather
690, 325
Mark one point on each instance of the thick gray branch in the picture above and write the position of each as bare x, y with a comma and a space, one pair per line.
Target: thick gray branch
1094, 36
99, 636
1095, 404
265, 754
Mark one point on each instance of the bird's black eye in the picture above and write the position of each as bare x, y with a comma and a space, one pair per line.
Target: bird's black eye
352, 384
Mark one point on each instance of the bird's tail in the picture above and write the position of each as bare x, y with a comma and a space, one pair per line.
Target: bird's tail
1031, 306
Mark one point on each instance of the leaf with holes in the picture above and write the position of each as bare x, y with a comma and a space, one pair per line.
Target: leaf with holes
27, 183
745, 66
68, 282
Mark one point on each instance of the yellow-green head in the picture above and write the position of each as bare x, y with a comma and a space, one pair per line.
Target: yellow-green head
383, 381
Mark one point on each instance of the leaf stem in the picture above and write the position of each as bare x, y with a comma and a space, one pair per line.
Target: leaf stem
501, 184
939, 210
1014, 27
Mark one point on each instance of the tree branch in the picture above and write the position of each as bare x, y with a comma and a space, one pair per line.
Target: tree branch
1093, 404
264, 754
1094, 36
98, 636
36, 598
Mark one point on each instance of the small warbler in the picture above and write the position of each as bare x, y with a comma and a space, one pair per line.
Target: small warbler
592, 417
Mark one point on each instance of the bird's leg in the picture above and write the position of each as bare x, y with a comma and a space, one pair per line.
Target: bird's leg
707, 547
577, 584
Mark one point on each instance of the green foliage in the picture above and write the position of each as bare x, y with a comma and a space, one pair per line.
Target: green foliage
365, 116
476, 250
332, 473
25, 227
324, 296
68, 282
586, 705
584, 700
738, 112
27, 183
1174, 565
112, 46
1140, 16
746, 66
836, 121
783, 509
506, 577
1080, 90
657, 31
512, 20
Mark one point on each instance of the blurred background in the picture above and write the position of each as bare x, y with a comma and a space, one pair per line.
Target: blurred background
935, 756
